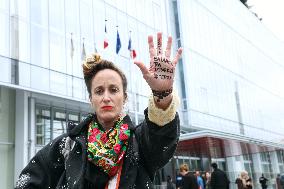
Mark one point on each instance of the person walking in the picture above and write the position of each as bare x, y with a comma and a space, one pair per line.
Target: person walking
263, 182
219, 179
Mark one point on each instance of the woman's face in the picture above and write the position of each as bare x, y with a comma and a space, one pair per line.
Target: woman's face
207, 175
107, 96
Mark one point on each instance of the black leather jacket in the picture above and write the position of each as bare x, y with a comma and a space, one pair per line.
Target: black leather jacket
150, 148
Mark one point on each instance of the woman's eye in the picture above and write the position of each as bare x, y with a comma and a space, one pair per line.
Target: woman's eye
114, 90
98, 92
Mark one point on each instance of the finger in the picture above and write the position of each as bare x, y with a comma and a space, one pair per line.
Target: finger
142, 67
159, 43
177, 57
169, 47
151, 46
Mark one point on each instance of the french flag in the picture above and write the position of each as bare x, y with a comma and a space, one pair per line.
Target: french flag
132, 51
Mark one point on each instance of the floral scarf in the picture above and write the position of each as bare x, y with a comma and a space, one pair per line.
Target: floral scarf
106, 149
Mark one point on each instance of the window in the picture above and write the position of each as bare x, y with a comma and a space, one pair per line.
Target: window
59, 123
52, 122
43, 125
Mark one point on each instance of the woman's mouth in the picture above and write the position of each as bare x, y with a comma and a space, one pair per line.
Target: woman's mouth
107, 107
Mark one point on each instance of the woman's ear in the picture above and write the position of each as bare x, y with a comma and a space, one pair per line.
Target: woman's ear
125, 98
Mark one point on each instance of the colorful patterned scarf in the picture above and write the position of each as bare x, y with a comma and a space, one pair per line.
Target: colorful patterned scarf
106, 149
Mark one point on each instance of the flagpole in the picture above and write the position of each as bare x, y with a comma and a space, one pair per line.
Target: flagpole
133, 88
72, 55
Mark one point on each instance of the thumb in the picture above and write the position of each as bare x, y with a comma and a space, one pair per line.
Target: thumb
142, 67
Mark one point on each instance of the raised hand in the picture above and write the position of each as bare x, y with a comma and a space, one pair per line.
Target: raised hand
160, 75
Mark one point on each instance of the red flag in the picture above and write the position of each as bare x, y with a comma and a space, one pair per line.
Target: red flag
105, 40
133, 54
132, 51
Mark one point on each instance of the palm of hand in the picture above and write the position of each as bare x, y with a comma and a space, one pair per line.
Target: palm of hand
160, 75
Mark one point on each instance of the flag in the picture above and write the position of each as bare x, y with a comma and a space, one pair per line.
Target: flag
105, 40
71, 48
118, 43
132, 51
83, 55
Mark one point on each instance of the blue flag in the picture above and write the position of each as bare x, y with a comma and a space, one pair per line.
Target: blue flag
129, 44
118, 43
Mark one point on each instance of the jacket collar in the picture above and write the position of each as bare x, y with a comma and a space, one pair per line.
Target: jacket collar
75, 129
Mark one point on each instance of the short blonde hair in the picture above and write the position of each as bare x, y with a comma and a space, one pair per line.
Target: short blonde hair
183, 167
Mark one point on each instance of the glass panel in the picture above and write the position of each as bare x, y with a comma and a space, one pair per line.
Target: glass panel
39, 78
57, 83
39, 46
4, 6
43, 125
24, 41
56, 15
7, 137
39, 15
59, 123
5, 65
73, 117
24, 74
4, 37
57, 52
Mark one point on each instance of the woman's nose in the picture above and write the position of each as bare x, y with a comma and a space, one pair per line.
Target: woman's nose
106, 96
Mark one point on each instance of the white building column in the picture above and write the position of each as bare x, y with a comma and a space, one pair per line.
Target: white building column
234, 166
274, 163
21, 132
32, 128
257, 166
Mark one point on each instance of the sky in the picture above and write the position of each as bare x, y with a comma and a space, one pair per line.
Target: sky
272, 14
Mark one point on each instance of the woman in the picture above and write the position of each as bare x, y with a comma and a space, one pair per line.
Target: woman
246, 180
187, 180
208, 179
106, 150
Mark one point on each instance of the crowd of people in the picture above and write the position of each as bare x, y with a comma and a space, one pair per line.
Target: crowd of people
217, 179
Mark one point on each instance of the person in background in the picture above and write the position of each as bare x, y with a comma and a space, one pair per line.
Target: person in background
219, 179
204, 179
239, 182
199, 180
170, 184
263, 181
280, 181
188, 181
106, 150
208, 180
246, 180
278, 185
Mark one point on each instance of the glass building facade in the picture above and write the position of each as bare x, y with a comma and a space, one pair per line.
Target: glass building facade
230, 78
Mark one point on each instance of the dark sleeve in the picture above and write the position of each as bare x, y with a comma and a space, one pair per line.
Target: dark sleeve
157, 144
213, 180
44, 169
194, 182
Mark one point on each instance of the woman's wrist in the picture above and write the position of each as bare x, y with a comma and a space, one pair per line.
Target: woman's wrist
164, 111
163, 99
160, 95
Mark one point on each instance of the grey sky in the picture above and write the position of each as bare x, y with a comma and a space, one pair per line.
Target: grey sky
272, 15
